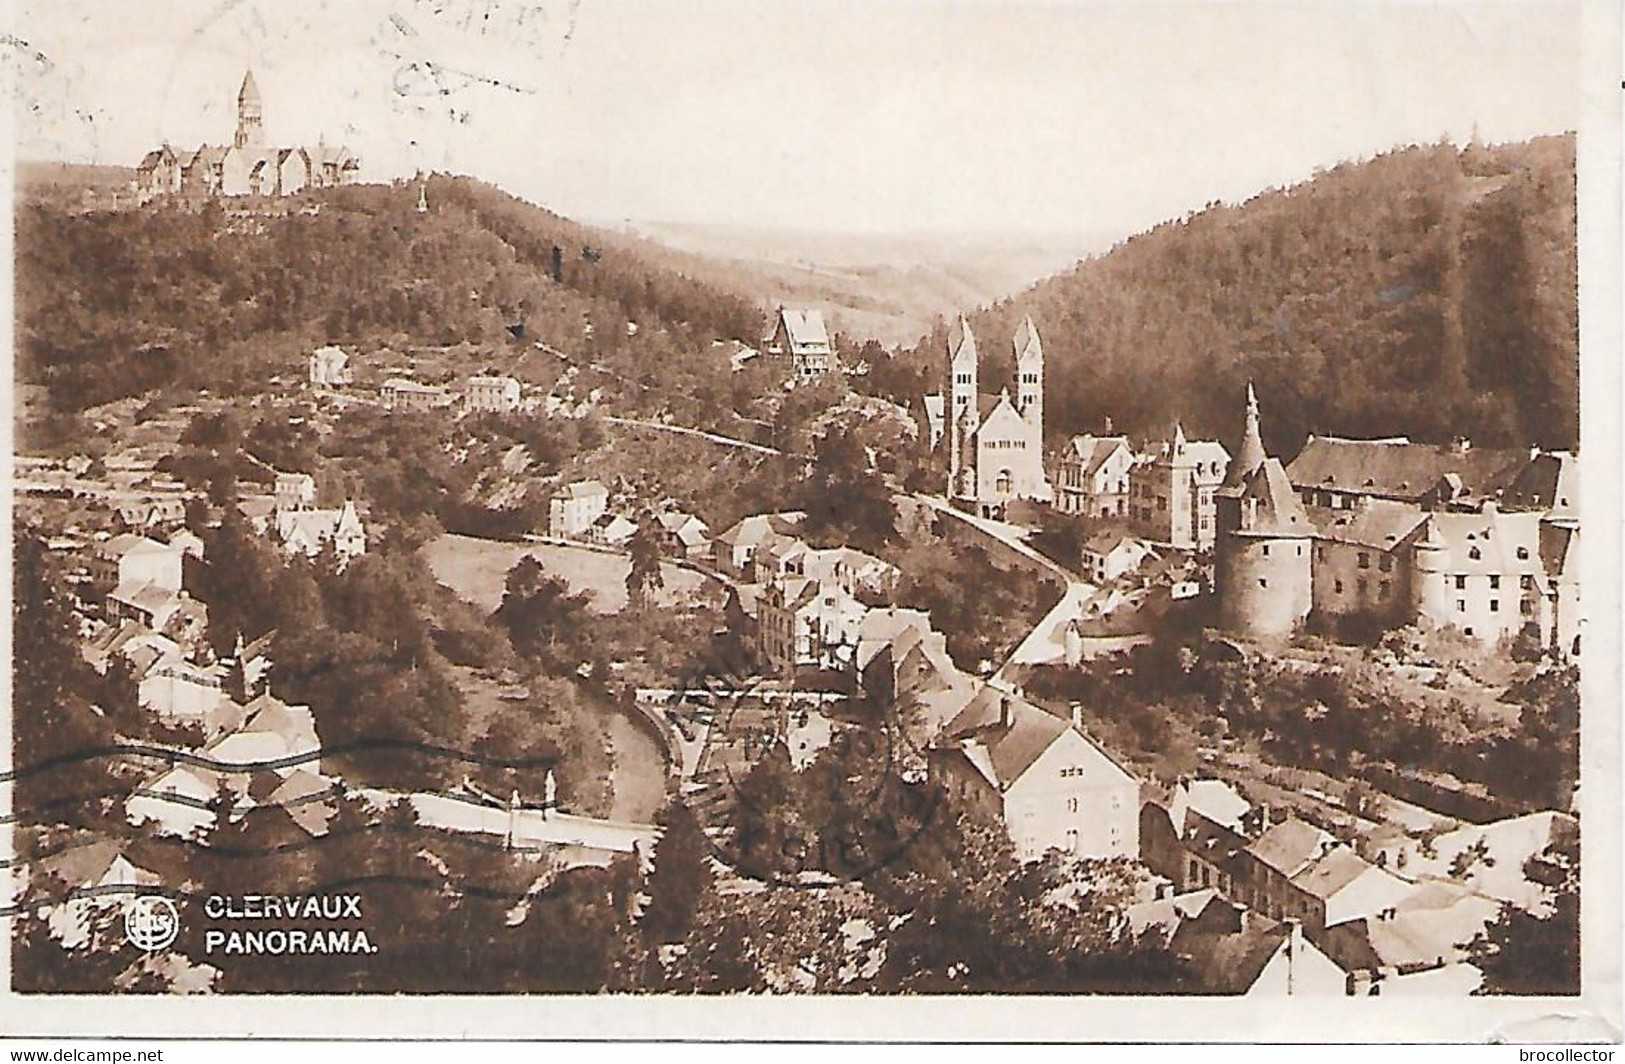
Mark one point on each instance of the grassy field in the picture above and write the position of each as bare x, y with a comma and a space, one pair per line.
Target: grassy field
477, 569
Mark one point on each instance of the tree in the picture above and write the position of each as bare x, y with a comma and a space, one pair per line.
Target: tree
682, 875
1523, 953
52, 720
644, 575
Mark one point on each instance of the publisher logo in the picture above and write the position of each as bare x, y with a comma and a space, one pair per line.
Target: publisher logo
151, 922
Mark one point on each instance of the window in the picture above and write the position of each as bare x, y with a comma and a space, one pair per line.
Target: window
1266, 550
1525, 606
1461, 582
1386, 587
1461, 605
1337, 586
1359, 585
1300, 550
1262, 582
1523, 554
1526, 582
1495, 605
1468, 631
1365, 560
1495, 582
1072, 840
1071, 805
1387, 563
1474, 553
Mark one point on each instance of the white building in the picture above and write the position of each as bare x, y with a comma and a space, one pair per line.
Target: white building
1053, 787
307, 532
329, 367
575, 507
494, 395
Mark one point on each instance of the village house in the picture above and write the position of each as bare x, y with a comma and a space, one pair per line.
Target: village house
329, 367
1051, 786
800, 336
182, 691
612, 530
806, 623
492, 395
685, 534
310, 531
398, 393
94, 881
1092, 476
247, 166
734, 551
573, 508
1171, 495
995, 444
295, 491
130, 560
1109, 555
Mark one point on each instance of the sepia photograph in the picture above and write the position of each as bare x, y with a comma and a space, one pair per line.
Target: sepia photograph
628, 507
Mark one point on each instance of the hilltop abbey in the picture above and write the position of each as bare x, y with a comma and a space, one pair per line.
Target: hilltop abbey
245, 167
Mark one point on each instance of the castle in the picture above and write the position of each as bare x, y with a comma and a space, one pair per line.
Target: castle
246, 167
995, 444
1291, 551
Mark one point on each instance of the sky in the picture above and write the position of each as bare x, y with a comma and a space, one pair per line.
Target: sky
825, 115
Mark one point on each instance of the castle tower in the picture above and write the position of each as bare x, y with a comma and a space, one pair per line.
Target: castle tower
1250, 455
961, 413
250, 134
1430, 598
1030, 376
1263, 571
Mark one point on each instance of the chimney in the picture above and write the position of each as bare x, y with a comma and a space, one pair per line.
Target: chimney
1006, 714
1077, 716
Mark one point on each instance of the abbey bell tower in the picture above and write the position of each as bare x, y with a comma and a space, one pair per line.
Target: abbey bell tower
250, 134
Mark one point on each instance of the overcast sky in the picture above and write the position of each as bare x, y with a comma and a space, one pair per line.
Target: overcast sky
1059, 118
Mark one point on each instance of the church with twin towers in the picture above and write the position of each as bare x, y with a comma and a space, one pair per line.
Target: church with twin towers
994, 444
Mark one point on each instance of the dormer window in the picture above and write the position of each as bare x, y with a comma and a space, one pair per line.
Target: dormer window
1475, 554
1523, 554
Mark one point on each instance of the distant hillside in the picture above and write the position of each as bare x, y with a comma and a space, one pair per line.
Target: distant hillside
223, 295
886, 287
1429, 291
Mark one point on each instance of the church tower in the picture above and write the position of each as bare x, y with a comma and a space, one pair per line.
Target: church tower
250, 134
1030, 377
961, 415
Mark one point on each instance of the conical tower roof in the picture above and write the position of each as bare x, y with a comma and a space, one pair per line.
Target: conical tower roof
960, 340
1251, 453
250, 92
1026, 342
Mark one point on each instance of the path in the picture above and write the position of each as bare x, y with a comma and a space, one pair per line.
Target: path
727, 441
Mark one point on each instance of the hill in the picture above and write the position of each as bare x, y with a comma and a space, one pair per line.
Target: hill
224, 295
884, 287
1430, 291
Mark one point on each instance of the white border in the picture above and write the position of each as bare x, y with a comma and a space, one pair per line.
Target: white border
1081, 1019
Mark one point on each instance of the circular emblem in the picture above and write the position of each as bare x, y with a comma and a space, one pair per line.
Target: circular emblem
151, 922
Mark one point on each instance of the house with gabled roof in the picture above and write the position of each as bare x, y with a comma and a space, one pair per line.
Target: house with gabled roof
84, 882
1050, 785
802, 337
1092, 476
1171, 495
734, 550
574, 507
